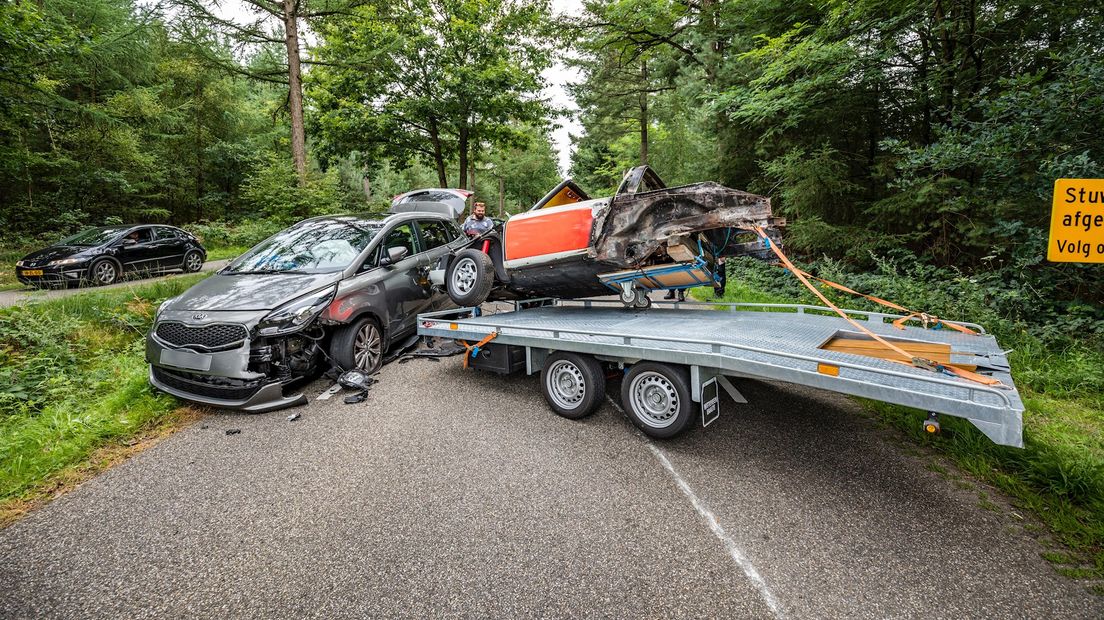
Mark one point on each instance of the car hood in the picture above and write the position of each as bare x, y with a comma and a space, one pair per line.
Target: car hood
55, 252
222, 292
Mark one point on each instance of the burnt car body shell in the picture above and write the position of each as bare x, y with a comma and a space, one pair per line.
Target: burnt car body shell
164, 251
249, 374
563, 243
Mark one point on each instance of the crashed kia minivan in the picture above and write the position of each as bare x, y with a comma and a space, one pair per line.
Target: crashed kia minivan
328, 291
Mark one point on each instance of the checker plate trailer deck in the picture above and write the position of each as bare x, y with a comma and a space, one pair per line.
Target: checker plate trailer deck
677, 358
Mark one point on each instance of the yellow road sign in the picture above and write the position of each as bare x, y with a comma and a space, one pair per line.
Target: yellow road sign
1077, 221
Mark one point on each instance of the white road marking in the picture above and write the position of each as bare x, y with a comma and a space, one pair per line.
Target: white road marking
718, 530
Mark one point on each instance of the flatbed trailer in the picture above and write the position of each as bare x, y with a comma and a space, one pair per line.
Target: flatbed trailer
676, 358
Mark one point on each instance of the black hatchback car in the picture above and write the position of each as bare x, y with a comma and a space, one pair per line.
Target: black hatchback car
103, 255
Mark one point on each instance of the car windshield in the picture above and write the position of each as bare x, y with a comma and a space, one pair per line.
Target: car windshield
316, 246
94, 236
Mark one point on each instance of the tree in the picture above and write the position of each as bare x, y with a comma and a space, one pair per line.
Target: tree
434, 79
276, 22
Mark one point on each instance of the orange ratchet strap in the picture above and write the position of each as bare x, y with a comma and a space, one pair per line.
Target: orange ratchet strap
918, 362
473, 349
923, 317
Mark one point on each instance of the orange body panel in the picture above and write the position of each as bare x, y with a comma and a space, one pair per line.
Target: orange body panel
548, 232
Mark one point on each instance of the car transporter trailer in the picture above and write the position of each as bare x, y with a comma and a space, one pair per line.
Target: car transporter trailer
677, 357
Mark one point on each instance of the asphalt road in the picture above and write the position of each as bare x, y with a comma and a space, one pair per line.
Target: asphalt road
450, 492
10, 298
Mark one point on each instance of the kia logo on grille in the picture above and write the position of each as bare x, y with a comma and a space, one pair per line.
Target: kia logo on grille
199, 317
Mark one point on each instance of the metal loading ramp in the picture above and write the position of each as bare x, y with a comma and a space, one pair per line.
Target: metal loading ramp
762, 341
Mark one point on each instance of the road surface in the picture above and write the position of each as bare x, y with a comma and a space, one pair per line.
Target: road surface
450, 492
10, 298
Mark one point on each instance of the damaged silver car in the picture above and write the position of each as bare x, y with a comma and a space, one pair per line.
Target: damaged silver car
328, 291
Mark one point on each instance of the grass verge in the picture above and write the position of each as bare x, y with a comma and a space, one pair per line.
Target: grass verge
73, 391
1058, 475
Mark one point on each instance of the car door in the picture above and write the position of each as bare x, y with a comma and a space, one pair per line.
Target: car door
168, 248
436, 237
402, 287
137, 252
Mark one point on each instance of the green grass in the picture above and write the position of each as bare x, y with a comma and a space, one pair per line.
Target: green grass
73, 379
1059, 474
225, 252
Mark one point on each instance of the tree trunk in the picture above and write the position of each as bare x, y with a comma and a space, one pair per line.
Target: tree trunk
643, 113
295, 91
463, 148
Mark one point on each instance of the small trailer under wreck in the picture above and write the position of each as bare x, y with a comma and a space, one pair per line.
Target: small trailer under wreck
677, 358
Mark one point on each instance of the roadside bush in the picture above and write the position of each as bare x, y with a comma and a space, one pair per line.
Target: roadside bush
242, 234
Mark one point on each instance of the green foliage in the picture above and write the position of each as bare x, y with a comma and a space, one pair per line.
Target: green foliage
74, 377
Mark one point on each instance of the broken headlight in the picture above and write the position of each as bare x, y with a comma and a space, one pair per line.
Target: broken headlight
296, 314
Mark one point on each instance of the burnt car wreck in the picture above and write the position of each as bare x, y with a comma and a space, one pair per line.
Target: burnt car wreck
645, 237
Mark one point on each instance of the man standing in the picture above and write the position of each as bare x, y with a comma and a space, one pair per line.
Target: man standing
478, 222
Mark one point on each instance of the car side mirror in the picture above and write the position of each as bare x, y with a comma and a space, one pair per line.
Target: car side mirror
394, 255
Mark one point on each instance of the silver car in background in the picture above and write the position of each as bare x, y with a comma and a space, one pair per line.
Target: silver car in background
328, 291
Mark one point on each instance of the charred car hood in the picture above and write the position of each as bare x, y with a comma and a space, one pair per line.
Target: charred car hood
227, 292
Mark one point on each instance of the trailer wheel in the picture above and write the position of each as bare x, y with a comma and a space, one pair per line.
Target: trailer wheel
573, 384
657, 399
470, 278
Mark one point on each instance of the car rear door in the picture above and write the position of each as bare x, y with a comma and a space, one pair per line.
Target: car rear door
436, 236
168, 248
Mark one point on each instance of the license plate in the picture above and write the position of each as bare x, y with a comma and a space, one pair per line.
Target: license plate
185, 359
31, 272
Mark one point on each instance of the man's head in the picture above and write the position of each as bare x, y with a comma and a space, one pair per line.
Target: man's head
479, 210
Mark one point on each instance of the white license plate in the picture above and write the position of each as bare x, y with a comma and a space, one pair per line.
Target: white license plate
185, 359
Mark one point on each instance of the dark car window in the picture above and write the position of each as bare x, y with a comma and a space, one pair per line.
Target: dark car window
313, 246
436, 233
401, 236
165, 234
141, 235
94, 236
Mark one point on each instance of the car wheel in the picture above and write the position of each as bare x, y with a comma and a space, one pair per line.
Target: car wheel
470, 278
573, 384
358, 346
193, 261
657, 399
103, 272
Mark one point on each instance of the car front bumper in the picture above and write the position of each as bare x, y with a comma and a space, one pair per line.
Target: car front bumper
52, 276
226, 383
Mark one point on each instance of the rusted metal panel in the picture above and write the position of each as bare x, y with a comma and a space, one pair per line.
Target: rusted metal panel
637, 226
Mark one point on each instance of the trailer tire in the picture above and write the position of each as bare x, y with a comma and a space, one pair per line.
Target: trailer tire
657, 399
572, 384
470, 278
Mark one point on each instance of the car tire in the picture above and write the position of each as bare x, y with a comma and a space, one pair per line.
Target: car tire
193, 261
470, 278
358, 345
573, 384
103, 272
657, 399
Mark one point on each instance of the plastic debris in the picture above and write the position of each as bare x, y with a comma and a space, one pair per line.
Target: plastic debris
233, 431
293, 417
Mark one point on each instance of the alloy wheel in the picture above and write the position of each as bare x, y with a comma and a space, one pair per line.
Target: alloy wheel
367, 347
105, 272
463, 276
